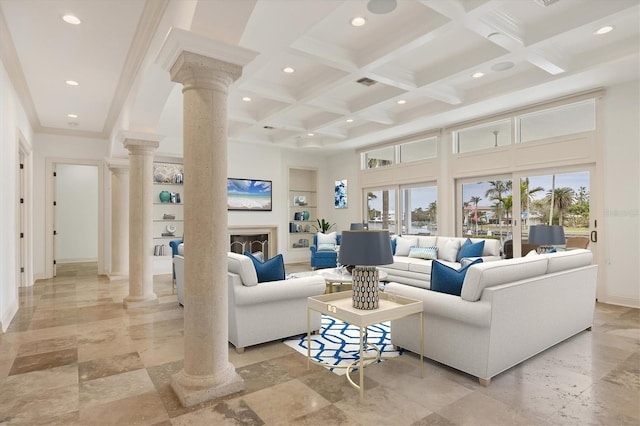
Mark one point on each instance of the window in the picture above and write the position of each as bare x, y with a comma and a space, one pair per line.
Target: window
418, 150
486, 208
381, 205
484, 136
419, 206
564, 120
379, 157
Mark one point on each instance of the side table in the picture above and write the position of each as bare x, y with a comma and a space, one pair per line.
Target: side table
339, 306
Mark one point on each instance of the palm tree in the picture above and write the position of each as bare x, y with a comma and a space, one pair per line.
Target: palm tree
475, 200
562, 199
495, 193
526, 197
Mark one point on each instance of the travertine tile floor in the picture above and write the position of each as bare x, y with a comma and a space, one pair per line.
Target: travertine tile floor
74, 356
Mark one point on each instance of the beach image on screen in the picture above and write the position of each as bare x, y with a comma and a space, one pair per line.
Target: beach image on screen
248, 194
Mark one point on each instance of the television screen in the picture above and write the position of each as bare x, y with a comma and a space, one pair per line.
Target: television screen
248, 194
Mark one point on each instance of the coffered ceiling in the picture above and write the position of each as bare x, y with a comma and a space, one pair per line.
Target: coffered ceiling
418, 63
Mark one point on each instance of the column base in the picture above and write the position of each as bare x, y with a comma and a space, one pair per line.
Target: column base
140, 301
116, 276
192, 390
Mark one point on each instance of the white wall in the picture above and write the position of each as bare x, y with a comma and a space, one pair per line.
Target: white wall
13, 122
76, 219
65, 150
621, 234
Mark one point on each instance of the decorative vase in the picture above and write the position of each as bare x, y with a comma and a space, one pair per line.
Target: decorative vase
165, 196
305, 215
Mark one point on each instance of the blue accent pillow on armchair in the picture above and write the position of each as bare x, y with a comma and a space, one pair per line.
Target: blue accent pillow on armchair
445, 279
469, 249
269, 270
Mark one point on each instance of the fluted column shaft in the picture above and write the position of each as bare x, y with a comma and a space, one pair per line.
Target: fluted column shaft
140, 222
119, 221
207, 372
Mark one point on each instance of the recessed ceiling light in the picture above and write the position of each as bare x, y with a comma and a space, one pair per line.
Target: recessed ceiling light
72, 115
71, 83
358, 21
310, 134
604, 30
477, 75
246, 99
70, 19
502, 66
288, 70
349, 120
401, 102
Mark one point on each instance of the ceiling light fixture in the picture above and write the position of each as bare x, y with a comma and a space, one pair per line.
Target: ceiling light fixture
310, 134
72, 115
288, 70
502, 66
604, 30
71, 83
358, 21
246, 99
401, 102
380, 7
70, 19
477, 75
349, 120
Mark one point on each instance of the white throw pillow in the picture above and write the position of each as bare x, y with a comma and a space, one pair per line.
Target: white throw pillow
330, 238
531, 253
404, 244
450, 251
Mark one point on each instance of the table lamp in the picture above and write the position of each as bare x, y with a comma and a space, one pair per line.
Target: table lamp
546, 236
365, 249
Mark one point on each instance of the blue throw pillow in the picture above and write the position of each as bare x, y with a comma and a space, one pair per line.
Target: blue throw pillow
269, 270
393, 246
445, 279
469, 249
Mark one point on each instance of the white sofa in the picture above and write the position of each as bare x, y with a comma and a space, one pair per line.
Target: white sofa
417, 272
262, 312
508, 311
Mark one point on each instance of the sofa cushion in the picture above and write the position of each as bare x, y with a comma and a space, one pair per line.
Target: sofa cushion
500, 272
445, 279
469, 249
491, 247
427, 241
404, 244
269, 270
421, 266
401, 263
243, 266
326, 247
564, 260
330, 238
181, 249
448, 249
428, 253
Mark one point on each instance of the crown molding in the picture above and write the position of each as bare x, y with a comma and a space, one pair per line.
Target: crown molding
67, 132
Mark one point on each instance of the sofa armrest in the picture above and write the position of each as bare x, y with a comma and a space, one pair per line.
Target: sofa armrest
313, 249
445, 305
272, 291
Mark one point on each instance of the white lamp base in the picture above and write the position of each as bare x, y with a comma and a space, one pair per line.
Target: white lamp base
365, 287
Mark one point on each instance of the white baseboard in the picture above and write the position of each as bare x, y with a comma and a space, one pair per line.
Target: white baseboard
621, 301
78, 260
8, 315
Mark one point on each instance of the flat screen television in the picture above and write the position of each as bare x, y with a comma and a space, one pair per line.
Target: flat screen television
249, 194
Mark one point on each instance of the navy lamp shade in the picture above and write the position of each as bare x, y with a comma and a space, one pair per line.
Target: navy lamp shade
365, 249
358, 226
546, 235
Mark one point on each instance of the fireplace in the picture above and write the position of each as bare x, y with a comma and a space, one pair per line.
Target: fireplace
253, 239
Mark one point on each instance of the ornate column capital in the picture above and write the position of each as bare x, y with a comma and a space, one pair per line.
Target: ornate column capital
195, 71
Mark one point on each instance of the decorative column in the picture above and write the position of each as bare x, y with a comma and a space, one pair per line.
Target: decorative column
140, 222
119, 219
207, 373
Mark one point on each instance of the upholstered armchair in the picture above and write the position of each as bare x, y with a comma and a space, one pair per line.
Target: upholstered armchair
174, 251
324, 257
266, 311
